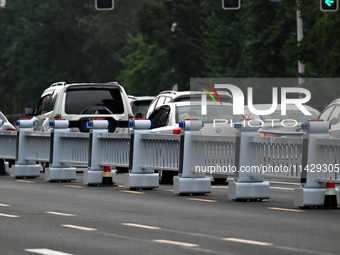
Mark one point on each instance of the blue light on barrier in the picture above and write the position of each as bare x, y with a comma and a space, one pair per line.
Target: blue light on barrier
89, 124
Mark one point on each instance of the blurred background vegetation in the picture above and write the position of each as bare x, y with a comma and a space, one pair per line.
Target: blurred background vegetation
151, 45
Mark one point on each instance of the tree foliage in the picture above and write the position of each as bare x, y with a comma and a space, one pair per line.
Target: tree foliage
151, 45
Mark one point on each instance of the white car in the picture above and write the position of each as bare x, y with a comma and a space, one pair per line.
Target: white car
181, 96
81, 102
276, 124
167, 117
332, 114
218, 121
140, 105
6, 125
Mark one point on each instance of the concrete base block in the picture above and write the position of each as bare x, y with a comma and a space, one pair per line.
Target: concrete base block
305, 197
192, 185
25, 171
60, 174
96, 177
141, 181
248, 190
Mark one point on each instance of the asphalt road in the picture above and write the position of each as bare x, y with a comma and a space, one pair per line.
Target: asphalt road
37, 217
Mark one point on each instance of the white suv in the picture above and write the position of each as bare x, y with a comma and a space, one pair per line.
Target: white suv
81, 102
180, 96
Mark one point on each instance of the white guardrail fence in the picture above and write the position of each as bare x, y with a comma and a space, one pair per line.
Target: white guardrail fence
312, 160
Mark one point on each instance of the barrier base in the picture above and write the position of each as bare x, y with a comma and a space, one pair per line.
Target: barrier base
248, 190
136, 181
60, 174
96, 177
20, 171
192, 185
311, 197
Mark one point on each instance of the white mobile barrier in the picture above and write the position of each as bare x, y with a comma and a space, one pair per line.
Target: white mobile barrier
312, 160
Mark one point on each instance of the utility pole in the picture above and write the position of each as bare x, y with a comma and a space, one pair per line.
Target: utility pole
2, 3
299, 25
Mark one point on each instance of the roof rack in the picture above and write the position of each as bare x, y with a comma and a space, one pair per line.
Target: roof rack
168, 92
60, 83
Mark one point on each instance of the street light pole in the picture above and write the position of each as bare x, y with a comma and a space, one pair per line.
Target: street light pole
301, 66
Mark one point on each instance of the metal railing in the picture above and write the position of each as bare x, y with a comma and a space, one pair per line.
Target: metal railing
161, 151
38, 146
74, 148
213, 153
8, 144
277, 157
114, 149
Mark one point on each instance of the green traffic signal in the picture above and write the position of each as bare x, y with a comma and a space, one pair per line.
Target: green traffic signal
329, 5
104, 5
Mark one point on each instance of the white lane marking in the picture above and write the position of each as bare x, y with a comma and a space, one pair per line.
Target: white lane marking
62, 214
203, 200
79, 227
219, 187
25, 181
4, 205
9, 215
247, 241
132, 192
285, 209
281, 188
74, 186
140, 226
175, 243
289, 183
47, 252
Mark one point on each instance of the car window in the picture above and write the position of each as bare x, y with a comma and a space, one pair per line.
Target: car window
152, 105
160, 102
213, 112
46, 104
160, 117
91, 101
334, 118
140, 106
326, 113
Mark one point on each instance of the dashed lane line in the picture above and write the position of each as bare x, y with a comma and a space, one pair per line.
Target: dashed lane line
74, 186
238, 240
4, 205
46, 252
285, 209
140, 226
79, 227
175, 243
133, 192
203, 200
9, 215
25, 181
62, 214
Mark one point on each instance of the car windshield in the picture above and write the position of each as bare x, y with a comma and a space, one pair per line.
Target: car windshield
213, 112
93, 101
140, 106
290, 114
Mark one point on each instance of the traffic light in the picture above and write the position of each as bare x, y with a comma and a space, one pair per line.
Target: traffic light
329, 5
231, 4
104, 5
